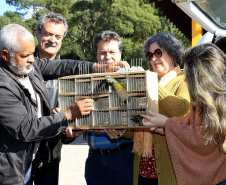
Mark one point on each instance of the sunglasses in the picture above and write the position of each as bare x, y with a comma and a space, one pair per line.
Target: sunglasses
158, 53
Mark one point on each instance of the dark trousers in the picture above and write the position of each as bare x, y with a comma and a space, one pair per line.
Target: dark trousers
48, 175
147, 181
110, 169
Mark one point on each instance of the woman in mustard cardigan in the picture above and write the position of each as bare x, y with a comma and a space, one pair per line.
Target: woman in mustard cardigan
197, 142
152, 163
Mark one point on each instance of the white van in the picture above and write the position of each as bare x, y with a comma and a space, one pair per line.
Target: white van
211, 15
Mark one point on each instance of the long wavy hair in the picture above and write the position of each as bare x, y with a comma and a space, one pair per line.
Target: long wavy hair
205, 66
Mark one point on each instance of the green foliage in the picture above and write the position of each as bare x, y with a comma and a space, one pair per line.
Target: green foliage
59, 6
25, 4
133, 20
132, 52
167, 26
31, 23
12, 18
128, 18
16, 18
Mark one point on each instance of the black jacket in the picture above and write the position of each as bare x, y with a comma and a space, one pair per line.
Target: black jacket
50, 149
20, 128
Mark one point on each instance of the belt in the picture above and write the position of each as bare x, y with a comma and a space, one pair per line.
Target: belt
112, 150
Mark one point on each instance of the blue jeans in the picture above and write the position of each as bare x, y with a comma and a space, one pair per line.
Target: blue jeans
110, 169
27, 180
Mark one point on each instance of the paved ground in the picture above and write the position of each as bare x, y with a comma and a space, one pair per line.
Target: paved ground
72, 163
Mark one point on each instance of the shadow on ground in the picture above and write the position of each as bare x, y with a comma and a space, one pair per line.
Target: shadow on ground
79, 141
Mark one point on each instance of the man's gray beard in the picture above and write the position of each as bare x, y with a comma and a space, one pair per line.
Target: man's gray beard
19, 70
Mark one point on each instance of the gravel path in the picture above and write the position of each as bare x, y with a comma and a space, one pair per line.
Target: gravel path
72, 165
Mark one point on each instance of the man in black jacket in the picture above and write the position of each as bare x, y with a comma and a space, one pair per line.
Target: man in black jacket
25, 116
51, 29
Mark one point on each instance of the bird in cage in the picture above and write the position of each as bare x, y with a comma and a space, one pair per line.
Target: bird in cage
120, 90
101, 87
118, 87
137, 119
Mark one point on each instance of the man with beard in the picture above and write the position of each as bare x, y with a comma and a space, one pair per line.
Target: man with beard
25, 116
51, 29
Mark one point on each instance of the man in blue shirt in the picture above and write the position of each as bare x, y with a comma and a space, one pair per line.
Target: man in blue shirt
110, 159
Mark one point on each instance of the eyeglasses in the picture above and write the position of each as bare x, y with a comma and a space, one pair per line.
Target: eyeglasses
158, 53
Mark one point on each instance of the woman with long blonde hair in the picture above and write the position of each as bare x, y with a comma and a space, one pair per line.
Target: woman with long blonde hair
197, 142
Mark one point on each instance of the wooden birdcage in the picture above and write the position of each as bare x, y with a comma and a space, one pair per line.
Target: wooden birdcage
109, 110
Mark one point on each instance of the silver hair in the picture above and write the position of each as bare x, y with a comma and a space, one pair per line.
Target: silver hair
10, 36
55, 17
107, 35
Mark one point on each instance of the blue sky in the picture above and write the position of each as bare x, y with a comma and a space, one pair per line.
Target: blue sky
5, 7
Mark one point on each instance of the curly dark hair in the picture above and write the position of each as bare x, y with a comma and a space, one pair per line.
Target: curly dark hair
169, 43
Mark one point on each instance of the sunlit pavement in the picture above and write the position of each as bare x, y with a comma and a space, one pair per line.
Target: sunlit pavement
72, 165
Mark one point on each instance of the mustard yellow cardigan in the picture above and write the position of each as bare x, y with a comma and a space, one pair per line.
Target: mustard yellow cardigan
174, 101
